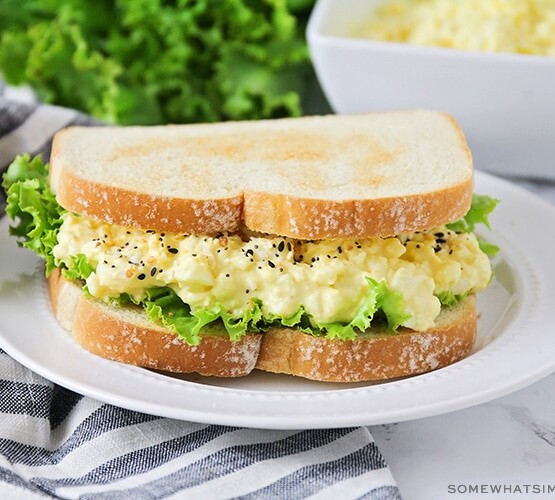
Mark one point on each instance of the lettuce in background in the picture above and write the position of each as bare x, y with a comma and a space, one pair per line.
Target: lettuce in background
155, 61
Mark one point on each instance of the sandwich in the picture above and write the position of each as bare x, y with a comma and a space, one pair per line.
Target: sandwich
336, 248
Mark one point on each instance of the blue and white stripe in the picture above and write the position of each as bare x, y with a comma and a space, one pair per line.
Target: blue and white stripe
55, 443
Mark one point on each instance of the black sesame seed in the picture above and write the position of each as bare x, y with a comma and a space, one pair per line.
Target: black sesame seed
339, 249
173, 250
439, 234
437, 248
153, 271
271, 264
250, 251
281, 246
418, 245
112, 266
194, 254
141, 276
441, 240
289, 247
247, 290
227, 275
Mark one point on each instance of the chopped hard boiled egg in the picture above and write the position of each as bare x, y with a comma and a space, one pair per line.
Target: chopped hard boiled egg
328, 278
518, 26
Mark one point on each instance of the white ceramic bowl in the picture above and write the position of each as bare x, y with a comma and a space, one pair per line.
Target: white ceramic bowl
504, 102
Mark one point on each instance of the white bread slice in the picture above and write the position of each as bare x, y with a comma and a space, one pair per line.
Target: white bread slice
126, 335
376, 174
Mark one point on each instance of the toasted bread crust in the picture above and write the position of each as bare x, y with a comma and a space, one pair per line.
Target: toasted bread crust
125, 207
266, 213
130, 338
376, 357
324, 219
306, 178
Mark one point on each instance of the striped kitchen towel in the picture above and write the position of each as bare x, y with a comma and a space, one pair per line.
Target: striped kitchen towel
56, 443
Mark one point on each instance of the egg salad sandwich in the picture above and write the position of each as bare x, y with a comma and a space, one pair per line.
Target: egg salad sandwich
336, 248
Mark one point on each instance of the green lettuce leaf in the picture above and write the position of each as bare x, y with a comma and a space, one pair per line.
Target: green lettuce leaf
482, 206
450, 299
164, 306
380, 299
392, 303
152, 61
79, 268
33, 207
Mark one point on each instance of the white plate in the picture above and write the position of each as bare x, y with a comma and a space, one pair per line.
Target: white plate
515, 345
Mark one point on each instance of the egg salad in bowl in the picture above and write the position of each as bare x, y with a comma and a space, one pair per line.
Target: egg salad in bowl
515, 26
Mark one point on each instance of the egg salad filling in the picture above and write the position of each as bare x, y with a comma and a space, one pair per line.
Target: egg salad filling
517, 26
336, 288
327, 279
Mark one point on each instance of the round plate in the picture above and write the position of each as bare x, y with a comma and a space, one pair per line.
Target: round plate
514, 348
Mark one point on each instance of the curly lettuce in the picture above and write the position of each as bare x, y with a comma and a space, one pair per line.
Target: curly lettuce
164, 306
31, 204
482, 206
153, 62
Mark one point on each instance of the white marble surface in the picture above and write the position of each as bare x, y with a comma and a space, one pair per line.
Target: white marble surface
508, 443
